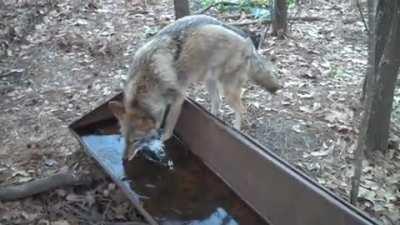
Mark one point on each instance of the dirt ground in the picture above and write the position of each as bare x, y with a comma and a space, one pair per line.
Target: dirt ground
60, 59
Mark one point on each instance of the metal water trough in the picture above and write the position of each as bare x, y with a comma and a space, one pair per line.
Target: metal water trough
272, 189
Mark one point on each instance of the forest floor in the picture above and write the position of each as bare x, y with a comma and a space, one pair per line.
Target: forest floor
61, 59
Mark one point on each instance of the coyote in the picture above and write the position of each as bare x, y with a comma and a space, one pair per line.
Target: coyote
191, 49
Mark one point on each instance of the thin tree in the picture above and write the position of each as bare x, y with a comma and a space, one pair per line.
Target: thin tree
384, 62
381, 81
279, 18
181, 8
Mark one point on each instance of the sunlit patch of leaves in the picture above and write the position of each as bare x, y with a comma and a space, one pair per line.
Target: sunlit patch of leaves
336, 72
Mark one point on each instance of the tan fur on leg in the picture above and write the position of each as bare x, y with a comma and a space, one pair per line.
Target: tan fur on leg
172, 118
233, 98
212, 86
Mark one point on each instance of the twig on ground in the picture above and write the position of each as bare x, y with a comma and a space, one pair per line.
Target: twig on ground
358, 158
13, 72
45, 208
362, 15
356, 179
306, 18
106, 210
245, 23
233, 16
262, 38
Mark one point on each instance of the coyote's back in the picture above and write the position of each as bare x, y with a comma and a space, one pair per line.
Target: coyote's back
179, 27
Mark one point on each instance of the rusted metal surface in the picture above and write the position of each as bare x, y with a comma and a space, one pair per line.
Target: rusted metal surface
276, 190
279, 193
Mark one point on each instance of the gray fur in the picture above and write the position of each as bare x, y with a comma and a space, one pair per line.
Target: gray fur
181, 27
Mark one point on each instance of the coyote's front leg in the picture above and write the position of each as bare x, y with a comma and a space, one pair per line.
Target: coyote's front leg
164, 66
212, 86
172, 118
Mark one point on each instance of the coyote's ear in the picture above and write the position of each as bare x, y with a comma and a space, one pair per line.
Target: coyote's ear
117, 109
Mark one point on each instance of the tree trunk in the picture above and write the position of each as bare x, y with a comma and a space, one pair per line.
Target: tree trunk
279, 18
382, 75
381, 84
181, 8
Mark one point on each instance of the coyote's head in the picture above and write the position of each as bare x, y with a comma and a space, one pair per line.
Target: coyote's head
135, 123
263, 72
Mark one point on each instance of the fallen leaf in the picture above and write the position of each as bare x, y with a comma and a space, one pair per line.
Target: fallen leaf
74, 198
256, 104
79, 22
321, 153
29, 216
60, 222
367, 194
306, 96
61, 192
306, 109
297, 128
316, 106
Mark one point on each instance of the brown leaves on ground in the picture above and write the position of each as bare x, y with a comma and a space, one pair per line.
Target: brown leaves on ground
60, 59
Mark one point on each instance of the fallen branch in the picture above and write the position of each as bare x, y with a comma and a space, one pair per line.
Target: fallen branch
232, 16
358, 158
306, 18
356, 179
14, 192
10, 73
245, 23
201, 11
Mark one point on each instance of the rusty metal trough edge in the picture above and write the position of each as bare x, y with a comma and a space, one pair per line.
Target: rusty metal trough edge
123, 185
357, 215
